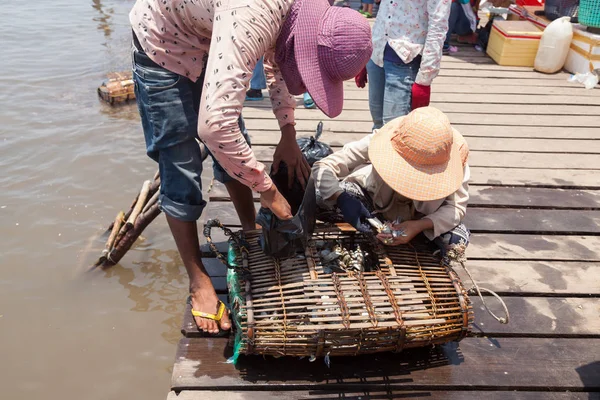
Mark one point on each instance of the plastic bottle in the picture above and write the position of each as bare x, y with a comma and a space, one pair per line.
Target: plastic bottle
554, 46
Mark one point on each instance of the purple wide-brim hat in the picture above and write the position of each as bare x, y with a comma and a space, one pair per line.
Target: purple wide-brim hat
331, 45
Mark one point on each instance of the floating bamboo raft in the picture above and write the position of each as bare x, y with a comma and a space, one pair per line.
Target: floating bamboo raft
293, 307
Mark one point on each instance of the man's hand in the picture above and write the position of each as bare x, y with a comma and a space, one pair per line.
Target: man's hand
410, 228
274, 201
288, 151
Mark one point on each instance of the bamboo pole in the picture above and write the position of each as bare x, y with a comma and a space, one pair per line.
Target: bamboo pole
123, 245
139, 204
119, 219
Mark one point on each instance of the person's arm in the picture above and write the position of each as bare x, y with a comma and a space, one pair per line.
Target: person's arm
329, 171
447, 216
232, 56
284, 104
437, 27
452, 211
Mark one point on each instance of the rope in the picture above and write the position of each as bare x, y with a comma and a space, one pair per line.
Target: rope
457, 254
233, 239
478, 290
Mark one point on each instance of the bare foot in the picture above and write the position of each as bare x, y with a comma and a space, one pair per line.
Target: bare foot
204, 299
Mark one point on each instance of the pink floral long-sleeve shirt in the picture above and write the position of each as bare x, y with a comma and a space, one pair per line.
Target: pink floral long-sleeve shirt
227, 37
411, 28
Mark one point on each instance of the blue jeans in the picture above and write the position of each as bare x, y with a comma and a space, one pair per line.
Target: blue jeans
168, 104
258, 80
457, 23
390, 89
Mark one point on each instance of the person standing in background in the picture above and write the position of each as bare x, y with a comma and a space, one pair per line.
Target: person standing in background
258, 82
408, 37
463, 22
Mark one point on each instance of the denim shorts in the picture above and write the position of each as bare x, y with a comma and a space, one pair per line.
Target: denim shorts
168, 104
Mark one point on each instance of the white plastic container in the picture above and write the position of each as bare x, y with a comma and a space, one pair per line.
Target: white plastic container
554, 46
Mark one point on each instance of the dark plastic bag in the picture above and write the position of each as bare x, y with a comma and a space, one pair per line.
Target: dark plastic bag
282, 239
312, 149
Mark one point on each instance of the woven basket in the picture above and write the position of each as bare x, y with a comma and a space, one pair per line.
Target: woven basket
554, 9
589, 13
118, 88
292, 307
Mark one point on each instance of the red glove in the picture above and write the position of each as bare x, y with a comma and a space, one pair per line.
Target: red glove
361, 78
420, 96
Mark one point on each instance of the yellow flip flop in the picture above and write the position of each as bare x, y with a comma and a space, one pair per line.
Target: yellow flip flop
215, 317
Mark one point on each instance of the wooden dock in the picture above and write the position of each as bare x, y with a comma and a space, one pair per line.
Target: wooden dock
535, 217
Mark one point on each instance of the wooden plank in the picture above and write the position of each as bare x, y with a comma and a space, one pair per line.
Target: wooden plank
495, 98
374, 394
507, 247
535, 277
526, 145
541, 364
474, 128
502, 74
554, 161
498, 196
515, 119
580, 222
538, 316
533, 197
475, 108
563, 178
529, 316
469, 103
491, 246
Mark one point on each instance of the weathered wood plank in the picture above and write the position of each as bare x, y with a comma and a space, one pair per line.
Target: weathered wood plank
497, 196
563, 178
475, 127
492, 246
374, 394
533, 197
535, 277
554, 161
455, 118
580, 222
529, 316
506, 247
547, 364
476, 106
527, 145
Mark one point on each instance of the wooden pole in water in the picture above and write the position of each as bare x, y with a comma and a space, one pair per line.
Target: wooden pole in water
141, 222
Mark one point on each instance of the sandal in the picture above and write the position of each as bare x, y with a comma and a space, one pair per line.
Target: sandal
215, 317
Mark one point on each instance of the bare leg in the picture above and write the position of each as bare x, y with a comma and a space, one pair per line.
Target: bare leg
241, 196
370, 8
204, 297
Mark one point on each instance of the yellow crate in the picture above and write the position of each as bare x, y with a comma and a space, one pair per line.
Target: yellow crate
514, 43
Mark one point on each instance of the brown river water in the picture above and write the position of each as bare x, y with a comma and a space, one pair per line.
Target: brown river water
68, 164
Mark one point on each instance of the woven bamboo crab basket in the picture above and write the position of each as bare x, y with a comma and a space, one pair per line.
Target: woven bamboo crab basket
405, 297
118, 88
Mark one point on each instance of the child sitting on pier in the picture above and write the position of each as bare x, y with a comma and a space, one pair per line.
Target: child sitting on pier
413, 169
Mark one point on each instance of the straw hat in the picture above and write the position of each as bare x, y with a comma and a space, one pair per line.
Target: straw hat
319, 48
420, 155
